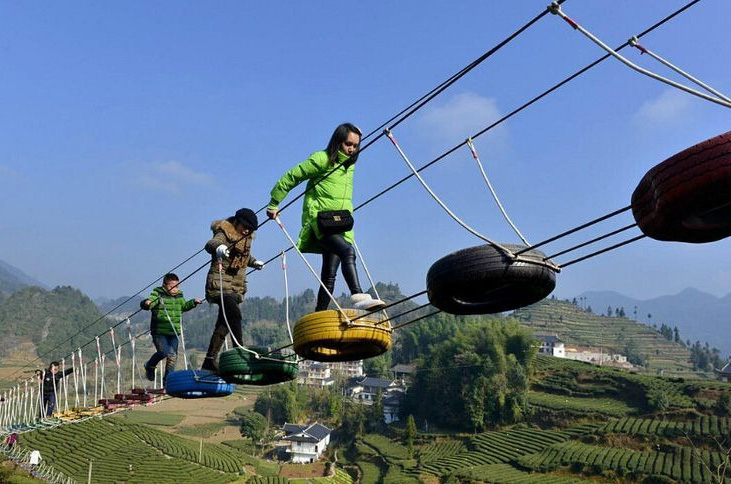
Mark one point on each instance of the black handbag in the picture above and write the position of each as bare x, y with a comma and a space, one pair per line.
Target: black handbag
335, 221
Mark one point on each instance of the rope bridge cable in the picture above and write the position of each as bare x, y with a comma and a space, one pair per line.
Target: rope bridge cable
425, 99
576, 229
512, 113
407, 298
555, 9
589, 242
594, 254
529, 103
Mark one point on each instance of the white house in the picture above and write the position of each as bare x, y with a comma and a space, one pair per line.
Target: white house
551, 345
368, 388
314, 373
306, 442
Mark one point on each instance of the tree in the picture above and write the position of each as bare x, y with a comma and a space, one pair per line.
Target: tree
253, 426
410, 434
380, 366
677, 335
589, 310
609, 311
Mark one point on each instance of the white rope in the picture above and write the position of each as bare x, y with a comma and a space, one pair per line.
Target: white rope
117, 360
492, 190
368, 274
322, 284
225, 318
64, 384
101, 381
634, 43
555, 9
548, 264
96, 381
25, 403
76, 381
82, 369
181, 338
442, 204
223, 311
132, 349
286, 296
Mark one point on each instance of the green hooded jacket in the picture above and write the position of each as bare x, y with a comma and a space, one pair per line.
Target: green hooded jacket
163, 305
332, 193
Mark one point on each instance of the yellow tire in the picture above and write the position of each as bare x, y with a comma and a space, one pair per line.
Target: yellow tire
327, 336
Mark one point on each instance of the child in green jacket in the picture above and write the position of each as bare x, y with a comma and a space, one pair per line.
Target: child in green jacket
168, 305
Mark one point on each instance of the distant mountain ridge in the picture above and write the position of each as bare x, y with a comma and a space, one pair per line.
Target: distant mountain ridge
12, 274
699, 316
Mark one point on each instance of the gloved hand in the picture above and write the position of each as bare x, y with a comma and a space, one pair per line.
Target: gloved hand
272, 212
222, 251
257, 264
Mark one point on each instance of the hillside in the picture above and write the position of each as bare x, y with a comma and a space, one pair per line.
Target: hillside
124, 452
576, 326
13, 279
698, 315
586, 423
47, 319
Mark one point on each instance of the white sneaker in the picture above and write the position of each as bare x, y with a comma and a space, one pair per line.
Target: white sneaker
366, 302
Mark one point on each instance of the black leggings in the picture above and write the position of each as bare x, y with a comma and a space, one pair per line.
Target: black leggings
334, 250
233, 313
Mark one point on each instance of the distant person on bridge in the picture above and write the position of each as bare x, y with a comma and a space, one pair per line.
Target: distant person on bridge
167, 305
230, 250
51, 386
328, 192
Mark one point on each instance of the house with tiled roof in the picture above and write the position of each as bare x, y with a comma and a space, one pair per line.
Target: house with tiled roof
306, 442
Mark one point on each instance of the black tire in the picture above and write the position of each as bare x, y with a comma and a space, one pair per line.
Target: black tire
687, 198
483, 280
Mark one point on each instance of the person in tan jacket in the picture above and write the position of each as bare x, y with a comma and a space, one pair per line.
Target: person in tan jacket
230, 249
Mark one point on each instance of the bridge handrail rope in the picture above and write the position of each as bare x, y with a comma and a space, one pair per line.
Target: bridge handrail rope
76, 380
473, 150
102, 380
512, 113
82, 369
633, 41
117, 360
64, 385
555, 9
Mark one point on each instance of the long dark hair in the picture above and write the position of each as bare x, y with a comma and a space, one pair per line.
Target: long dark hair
339, 136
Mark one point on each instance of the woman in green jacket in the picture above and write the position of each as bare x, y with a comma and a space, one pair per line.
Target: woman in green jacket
325, 192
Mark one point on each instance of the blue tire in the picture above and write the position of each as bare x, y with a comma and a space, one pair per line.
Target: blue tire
196, 384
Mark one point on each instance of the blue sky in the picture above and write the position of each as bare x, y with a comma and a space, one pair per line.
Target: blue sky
127, 128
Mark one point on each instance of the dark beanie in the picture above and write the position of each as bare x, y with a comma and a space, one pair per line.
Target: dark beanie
247, 218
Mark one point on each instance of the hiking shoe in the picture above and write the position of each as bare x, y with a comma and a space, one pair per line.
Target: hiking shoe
150, 372
366, 302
